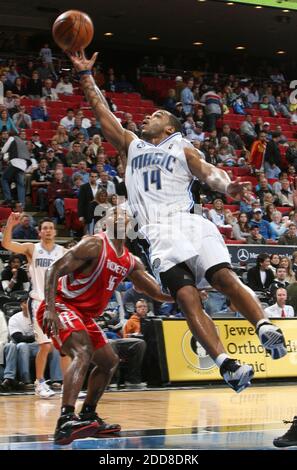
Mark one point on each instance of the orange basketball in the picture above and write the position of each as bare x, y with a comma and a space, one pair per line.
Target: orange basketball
73, 30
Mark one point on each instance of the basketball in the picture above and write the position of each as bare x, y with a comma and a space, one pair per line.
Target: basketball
73, 30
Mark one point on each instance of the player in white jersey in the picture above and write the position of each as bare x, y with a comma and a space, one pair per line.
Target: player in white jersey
40, 256
159, 171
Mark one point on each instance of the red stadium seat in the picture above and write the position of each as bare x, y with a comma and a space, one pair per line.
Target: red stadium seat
5, 212
72, 221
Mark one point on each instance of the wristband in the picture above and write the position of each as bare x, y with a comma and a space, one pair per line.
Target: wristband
81, 73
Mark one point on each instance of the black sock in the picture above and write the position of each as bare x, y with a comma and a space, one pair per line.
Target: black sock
66, 410
88, 408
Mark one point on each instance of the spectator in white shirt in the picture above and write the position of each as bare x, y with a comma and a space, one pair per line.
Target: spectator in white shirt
280, 309
64, 87
68, 120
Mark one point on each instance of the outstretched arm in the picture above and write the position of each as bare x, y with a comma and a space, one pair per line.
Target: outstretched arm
217, 179
144, 282
77, 257
21, 248
113, 131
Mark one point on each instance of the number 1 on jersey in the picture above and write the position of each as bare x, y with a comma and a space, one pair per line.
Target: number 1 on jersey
153, 177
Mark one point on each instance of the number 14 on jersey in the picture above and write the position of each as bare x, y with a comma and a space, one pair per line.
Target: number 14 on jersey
152, 177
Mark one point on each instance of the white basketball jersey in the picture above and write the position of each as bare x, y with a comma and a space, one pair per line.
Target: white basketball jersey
158, 180
41, 260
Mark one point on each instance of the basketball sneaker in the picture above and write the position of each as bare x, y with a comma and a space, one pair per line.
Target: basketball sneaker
290, 437
103, 427
237, 376
42, 390
272, 339
70, 427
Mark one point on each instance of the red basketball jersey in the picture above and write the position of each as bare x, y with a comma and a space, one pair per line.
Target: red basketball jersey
91, 293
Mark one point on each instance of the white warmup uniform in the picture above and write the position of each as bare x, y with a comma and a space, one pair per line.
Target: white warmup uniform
41, 260
158, 182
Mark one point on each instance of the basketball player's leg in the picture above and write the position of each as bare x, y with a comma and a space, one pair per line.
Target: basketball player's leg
106, 362
78, 347
180, 281
45, 347
221, 277
201, 325
74, 341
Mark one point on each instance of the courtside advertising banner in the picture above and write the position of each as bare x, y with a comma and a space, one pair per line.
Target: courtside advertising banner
187, 360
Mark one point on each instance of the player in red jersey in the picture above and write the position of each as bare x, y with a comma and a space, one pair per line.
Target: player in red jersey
77, 288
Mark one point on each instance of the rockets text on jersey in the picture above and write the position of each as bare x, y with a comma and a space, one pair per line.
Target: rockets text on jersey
91, 293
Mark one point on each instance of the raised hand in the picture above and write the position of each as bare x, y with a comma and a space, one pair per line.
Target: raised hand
237, 188
80, 61
14, 219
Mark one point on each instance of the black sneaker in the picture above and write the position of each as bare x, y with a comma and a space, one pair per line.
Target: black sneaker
290, 437
70, 427
104, 428
237, 376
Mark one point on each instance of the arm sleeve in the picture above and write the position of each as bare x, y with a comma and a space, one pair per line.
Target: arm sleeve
18, 337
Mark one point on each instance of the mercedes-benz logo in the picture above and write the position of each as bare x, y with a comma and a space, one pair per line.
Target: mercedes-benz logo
243, 255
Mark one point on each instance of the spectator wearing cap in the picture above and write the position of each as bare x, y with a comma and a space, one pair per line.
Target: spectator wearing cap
52, 160
39, 148
179, 86
193, 131
290, 237
255, 237
264, 226
40, 113
179, 112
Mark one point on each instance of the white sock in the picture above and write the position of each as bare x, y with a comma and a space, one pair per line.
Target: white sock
221, 358
263, 320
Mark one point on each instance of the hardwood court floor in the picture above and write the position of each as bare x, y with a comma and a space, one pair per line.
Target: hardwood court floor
217, 415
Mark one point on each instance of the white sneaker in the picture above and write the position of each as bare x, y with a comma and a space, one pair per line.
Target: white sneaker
42, 390
272, 339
